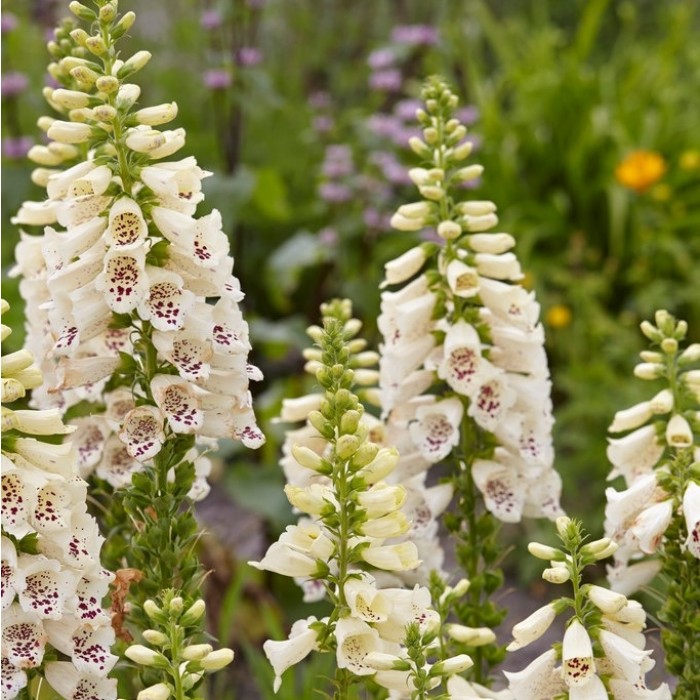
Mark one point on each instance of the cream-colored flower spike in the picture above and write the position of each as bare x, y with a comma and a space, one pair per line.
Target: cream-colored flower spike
484, 349
52, 580
115, 263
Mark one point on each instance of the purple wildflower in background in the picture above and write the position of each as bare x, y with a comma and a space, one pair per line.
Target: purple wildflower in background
381, 58
415, 35
249, 56
256, 4
13, 83
16, 148
337, 161
217, 79
8, 22
467, 114
323, 123
210, 19
320, 100
406, 109
386, 80
334, 192
328, 236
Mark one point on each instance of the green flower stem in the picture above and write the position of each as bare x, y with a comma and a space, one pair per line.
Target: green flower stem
680, 612
476, 554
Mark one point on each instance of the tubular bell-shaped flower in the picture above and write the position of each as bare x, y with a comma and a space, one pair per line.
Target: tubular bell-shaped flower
50, 551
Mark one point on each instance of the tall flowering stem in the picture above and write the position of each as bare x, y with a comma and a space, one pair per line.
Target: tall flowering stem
656, 520
352, 546
463, 371
602, 654
134, 312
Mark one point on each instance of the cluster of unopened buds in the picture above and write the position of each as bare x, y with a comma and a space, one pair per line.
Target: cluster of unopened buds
169, 649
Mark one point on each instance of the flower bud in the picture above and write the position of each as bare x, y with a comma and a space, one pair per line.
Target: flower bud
432, 192
107, 84
193, 614
79, 36
346, 446
470, 172
690, 354
462, 151
472, 636
70, 132
160, 114
146, 657
607, 601
96, 45
151, 609
381, 466
543, 551
669, 345
307, 457
82, 12
599, 549
105, 113
392, 524
155, 637
108, 12
305, 500
133, 64
217, 659
448, 230
144, 141
159, 691
650, 331
430, 135
84, 76
451, 666
381, 661
556, 574
123, 25
419, 147
648, 370
70, 99
415, 210
196, 652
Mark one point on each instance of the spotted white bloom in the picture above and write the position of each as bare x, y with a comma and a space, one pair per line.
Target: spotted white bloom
577, 655
142, 432
355, 639
436, 428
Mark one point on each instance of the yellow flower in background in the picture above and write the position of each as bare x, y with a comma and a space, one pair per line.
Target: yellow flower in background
558, 316
690, 160
640, 169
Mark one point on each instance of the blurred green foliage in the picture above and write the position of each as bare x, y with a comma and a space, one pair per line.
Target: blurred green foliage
565, 91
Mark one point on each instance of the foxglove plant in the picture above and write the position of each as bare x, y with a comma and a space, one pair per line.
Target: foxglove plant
463, 370
53, 624
351, 534
603, 652
133, 306
656, 519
